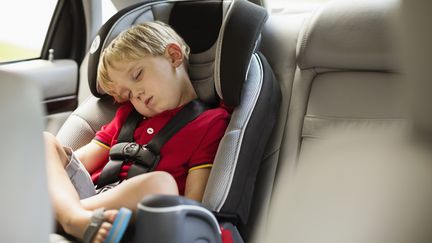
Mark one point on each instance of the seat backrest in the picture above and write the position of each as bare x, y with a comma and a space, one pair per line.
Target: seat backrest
357, 186
278, 44
224, 64
347, 76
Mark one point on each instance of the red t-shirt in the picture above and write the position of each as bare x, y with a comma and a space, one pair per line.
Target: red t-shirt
192, 147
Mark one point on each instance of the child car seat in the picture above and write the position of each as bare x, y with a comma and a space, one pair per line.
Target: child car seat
224, 64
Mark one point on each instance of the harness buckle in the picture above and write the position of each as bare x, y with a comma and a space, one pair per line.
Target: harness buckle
133, 152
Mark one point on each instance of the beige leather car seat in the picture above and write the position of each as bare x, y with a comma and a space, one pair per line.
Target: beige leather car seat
347, 76
355, 186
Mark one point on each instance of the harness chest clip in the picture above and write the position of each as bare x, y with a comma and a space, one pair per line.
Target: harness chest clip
133, 152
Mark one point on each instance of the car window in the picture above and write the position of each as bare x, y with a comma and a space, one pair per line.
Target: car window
23, 25
293, 6
108, 10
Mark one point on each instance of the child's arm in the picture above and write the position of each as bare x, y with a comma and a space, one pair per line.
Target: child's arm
215, 123
196, 183
92, 155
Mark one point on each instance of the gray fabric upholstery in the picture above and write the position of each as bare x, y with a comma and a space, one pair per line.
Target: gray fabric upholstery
201, 73
54, 122
219, 182
81, 126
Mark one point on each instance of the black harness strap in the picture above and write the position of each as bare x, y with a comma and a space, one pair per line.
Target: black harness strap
110, 173
128, 128
191, 111
144, 157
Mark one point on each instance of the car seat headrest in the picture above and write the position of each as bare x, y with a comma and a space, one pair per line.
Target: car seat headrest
349, 35
220, 34
237, 42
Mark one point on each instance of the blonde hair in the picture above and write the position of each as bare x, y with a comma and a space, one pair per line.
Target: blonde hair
149, 38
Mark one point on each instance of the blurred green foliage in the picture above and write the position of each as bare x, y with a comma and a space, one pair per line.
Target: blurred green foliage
10, 52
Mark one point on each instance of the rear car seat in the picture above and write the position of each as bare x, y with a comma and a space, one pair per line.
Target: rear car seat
343, 75
278, 44
224, 64
347, 78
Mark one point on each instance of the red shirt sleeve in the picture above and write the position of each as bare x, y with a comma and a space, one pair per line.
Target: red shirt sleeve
109, 132
215, 129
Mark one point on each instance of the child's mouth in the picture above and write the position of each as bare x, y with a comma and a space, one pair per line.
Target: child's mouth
148, 100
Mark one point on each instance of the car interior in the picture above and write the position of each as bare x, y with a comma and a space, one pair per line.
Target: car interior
328, 141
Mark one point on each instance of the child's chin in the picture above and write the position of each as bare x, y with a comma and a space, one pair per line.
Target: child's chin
149, 114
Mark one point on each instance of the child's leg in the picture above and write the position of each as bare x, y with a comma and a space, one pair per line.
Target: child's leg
130, 192
63, 194
65, 200
74, 215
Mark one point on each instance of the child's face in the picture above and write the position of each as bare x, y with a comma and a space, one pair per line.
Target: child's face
152, 84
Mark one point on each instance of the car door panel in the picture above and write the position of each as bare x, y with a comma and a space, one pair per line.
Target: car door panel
56, 79
58, 82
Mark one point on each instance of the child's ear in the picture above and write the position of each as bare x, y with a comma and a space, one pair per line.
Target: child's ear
175, 54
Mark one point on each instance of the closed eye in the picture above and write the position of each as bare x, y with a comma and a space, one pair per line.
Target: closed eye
138, 75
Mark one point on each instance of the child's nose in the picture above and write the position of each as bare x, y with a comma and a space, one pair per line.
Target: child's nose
140, 96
